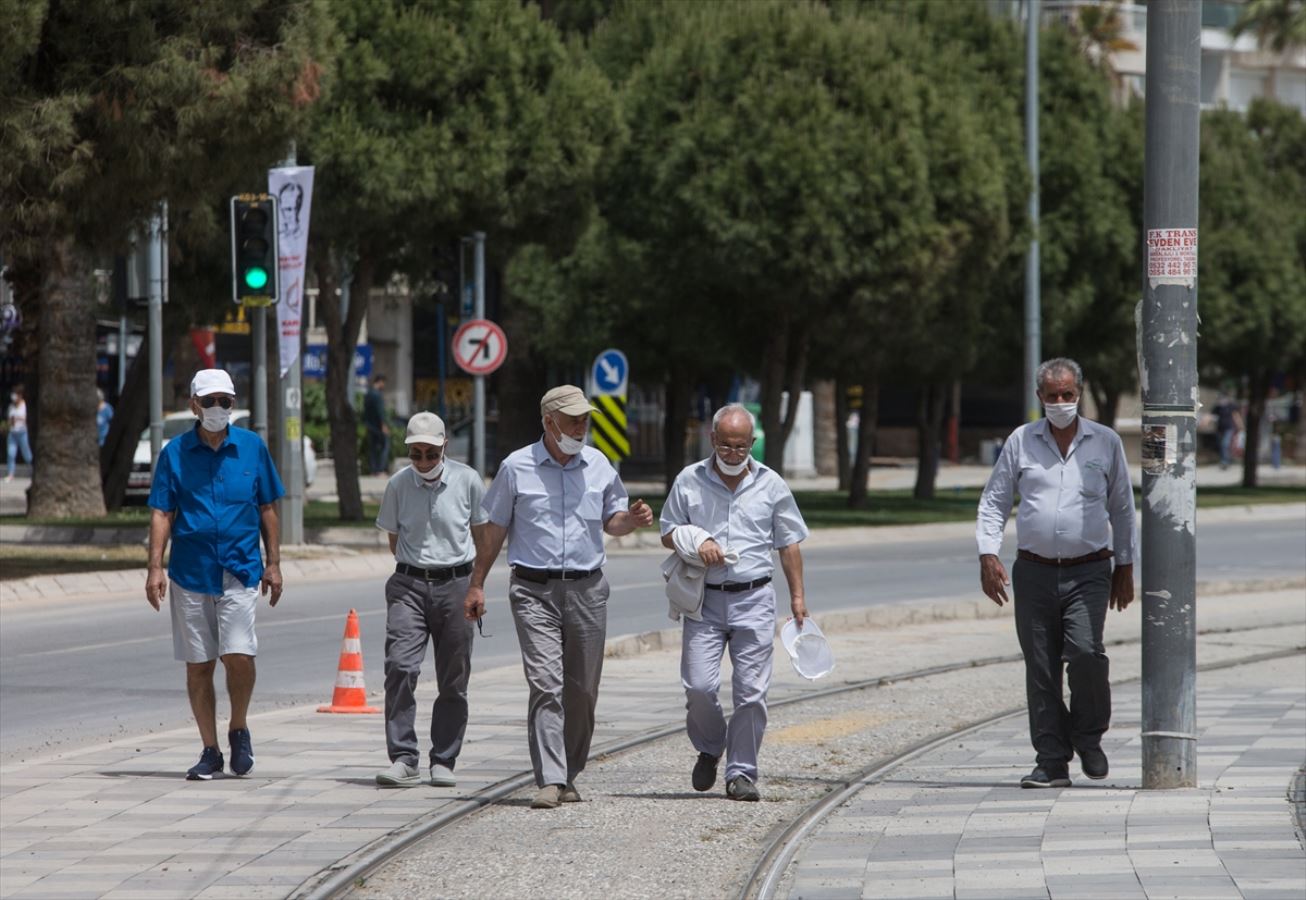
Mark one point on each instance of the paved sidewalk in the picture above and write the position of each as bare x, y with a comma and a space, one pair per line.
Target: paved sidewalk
953, 823
119, 821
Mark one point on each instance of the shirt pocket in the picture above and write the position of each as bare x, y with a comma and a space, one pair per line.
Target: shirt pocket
1093, 480
590, 506
535, 506
238, 486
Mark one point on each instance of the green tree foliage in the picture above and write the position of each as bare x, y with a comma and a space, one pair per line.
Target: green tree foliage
447, 116
1277, 24
105, 110
1251, 276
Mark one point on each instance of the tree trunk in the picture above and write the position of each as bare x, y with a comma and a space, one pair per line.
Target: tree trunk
673, 425
1107, 401
868, 421
1259, 388
342, 335
842, 449
825, 430
66, 476
774, 366
518, 387
929, 423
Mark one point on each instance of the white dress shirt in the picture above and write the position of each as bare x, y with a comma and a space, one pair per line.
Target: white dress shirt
759, 516
1070, 506
555, 514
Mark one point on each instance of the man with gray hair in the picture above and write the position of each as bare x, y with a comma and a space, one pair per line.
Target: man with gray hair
1076, 512
735, 511
553, 501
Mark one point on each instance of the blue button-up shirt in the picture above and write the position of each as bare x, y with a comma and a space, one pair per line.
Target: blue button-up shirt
216, 495
555, 514
759, 516
1069, 506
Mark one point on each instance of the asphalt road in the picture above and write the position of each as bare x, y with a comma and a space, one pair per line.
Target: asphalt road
82, 672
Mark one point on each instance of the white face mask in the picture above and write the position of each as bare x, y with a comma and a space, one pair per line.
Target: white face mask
569, 445
1061, 414
433, 475
215, 418
731, 469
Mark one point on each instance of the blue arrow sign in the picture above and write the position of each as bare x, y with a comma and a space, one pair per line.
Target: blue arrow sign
610, 373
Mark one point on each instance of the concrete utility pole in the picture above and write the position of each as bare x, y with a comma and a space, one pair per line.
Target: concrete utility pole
1033, 339
478, 426
1168, 357
158, 278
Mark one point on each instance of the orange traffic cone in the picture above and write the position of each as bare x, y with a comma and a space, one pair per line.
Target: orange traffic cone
350, 696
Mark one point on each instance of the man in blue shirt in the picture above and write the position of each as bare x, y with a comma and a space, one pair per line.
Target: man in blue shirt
1076, 513
214, 490
553, 501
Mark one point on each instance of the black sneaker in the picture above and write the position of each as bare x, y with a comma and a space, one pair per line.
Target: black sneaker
1046, 777
1092, 762
242, 751
210, 764
740, 788
705, 772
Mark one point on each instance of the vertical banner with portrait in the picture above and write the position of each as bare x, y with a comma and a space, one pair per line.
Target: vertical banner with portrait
293, 188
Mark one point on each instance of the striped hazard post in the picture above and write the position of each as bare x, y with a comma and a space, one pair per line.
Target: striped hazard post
608, 427
610, 379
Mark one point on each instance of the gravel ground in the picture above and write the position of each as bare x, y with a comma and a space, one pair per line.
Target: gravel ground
644, 832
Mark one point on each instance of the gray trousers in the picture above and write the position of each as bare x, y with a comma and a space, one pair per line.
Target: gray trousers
1060, 614
744, 623
418, 611
561, 626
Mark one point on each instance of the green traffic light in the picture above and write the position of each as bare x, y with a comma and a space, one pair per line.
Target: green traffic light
256, 278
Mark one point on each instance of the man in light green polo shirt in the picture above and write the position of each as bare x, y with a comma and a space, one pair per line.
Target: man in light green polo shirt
432, 513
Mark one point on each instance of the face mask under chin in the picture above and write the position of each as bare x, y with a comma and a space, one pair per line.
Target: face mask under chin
569, 445
732, 469
433, 475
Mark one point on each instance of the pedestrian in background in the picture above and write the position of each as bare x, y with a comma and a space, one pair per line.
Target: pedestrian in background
103, 416
729, 506
214, 491
553, 500
378, 430
432, 514
16, 440
1228, 422
1076, 512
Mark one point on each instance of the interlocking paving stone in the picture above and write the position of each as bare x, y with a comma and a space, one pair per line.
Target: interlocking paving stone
1233, 836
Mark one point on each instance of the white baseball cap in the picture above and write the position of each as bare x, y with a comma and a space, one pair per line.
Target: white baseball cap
808, 649
425, 428
211, 381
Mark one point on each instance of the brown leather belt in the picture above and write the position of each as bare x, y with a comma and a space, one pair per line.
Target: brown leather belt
1095, 556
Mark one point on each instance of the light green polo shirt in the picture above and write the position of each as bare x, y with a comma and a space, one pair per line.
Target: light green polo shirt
433, 519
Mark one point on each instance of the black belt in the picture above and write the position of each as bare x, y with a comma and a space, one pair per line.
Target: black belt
448, 573
736, 587
1064, 563
542, 576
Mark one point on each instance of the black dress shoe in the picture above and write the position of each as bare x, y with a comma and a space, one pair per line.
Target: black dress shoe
1092, 762
1046, 777
705, 772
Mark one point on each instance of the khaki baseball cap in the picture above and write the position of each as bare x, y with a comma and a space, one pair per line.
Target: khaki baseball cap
211, 381
567, 399
425, 428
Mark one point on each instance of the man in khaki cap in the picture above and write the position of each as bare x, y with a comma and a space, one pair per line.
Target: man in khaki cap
552, 501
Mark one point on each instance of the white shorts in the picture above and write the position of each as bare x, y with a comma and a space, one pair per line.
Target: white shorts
206, 626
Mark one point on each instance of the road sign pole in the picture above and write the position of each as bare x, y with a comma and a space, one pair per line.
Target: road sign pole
1168, 357
1033, 326
478, 426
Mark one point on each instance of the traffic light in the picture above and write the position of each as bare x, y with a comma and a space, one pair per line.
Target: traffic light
254, 266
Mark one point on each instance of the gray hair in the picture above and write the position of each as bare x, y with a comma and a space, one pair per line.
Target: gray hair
731, 409
1059, 364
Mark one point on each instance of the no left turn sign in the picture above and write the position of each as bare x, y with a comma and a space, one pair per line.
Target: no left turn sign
479, 347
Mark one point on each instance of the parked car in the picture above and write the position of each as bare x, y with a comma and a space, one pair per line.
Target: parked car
138, 481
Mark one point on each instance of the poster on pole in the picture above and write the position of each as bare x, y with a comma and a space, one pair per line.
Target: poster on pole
293, 188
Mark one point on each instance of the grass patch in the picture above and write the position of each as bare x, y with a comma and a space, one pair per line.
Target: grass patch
26, 560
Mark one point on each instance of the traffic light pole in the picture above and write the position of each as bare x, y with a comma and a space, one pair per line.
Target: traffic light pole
258, 330
1033, 324
1168, 357
478, 426
155, 320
